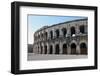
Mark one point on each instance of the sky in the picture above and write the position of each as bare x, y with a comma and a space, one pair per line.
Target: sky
37, 21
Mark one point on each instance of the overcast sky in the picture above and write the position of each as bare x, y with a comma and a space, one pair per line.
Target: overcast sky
37, 21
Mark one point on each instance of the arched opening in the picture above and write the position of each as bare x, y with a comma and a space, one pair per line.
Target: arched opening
51, 49
57, 49
38, 36
57, 33
51, 34
83, 48
42, 36
73, 48
72, 31
64, 32
82, 29
64, 48
46, 35
45, 48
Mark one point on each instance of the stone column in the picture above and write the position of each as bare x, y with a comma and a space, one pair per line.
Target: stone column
34, 49
77, 29
78, 49
60, 48
42, 49
48, 34
53, 48
40, 36
69, 50
48, 49
43, 36
61, 33
68, 31
86, 28
39, 49
54, 34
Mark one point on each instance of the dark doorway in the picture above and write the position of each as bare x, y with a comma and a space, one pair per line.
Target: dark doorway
51, 49
57, 49
64, 32
57, 33
82, 29
46, 35
64, 49
83, 48
45, 47
72, 31
51, 34
38, 36
73, 48
42, 36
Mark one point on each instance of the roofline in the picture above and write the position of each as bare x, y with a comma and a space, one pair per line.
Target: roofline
62, 23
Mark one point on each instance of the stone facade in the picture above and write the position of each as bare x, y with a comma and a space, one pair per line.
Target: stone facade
69, 37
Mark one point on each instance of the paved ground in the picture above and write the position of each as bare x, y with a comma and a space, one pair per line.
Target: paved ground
53, 57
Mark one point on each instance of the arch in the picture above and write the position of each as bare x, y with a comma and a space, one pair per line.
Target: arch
73, 48
51, 49
57, 33
42, 36
64, 48
83, 48
45, 49
82, 29
38, 36
46, 35
57, 49
51, 34
64, 32
72, 31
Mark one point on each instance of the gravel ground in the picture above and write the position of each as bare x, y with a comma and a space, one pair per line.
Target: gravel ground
53, 57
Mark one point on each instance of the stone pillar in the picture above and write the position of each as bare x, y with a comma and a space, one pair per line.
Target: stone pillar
77, 29
53, 48
86, 28
39, 49
69, 50
43, 49
43, 36
60, 33
60, 48
68, 31
54, 34
48, 49
48, 36
78, 49
40, 36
